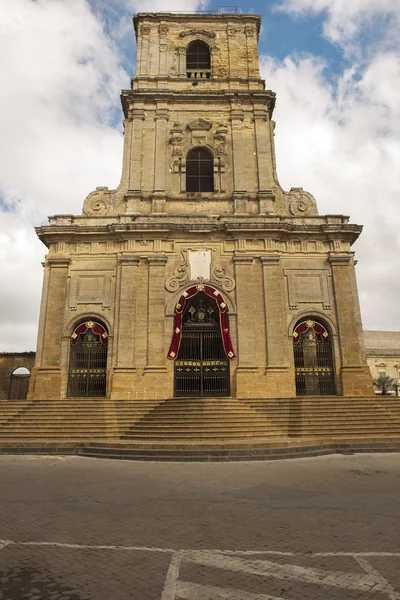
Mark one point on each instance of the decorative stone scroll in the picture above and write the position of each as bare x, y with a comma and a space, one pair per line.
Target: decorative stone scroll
97, 203
220, 276
301, 203
198, 266
180, 277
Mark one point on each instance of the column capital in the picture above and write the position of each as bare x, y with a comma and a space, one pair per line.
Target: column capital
58, 262
340, 260
157, 260
128, 260
270, 259
243, 260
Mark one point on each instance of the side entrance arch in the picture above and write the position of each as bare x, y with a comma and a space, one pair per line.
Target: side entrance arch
201, 344
313, 360
87, 374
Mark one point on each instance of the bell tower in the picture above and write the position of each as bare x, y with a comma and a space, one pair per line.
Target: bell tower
199, 223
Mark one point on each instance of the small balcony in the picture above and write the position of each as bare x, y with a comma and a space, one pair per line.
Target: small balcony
198, 73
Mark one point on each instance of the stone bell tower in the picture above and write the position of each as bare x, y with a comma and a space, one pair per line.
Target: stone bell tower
199, 275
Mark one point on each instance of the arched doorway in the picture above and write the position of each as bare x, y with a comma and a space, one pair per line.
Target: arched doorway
88, 360
19, 384
201, 345
313, 362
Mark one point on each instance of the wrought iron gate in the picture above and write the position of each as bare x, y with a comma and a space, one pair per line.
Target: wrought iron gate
313, 360
202, 367
87, 367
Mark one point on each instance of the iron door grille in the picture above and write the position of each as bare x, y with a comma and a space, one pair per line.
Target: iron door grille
88, 367
202, 368
313, 367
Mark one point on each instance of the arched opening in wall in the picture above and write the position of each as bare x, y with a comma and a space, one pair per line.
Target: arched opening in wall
198, 60
87, 374
199, 171
313, 358
201, 345
19, 384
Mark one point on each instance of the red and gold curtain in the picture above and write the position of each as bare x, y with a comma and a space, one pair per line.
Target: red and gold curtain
96, 328
223, 319
305, 326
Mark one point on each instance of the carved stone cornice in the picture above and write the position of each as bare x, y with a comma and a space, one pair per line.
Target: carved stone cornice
197, 32
340, 260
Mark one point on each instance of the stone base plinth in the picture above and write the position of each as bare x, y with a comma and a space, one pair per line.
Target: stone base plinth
357, 381
45, 383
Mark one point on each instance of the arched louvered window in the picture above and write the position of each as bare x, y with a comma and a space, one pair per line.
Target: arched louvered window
199, 171
198, 60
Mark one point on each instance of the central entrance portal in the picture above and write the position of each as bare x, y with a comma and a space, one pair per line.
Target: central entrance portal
201, 367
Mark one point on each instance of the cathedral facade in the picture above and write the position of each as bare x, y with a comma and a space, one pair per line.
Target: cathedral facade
199, 275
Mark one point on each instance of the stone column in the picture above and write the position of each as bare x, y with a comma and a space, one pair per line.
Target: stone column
181, 61
247, 369
239, 174
46, 380
264, 161
143, 56
356, 377
137, 116
280, 379
160, 159
157, 385
163, 33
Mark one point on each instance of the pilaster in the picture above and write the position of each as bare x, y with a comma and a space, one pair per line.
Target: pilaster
280, 380
156, 357
46, 382
355, 374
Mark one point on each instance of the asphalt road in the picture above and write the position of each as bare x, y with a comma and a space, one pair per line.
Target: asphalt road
76, 528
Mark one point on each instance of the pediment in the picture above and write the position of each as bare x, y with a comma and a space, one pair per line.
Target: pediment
197, 32
199, 125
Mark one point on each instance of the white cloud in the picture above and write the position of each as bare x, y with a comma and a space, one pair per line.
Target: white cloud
60, 130
344, 20
60, 81
342, 143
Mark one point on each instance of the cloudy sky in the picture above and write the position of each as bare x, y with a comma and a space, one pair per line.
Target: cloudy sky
333, 63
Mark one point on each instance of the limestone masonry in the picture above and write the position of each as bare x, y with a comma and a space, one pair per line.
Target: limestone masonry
199, 275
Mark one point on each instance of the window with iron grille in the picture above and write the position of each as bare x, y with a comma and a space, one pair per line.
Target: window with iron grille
198, 60
199, 171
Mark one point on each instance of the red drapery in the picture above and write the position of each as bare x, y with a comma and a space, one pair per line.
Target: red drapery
223, 319
309, 324
96, 328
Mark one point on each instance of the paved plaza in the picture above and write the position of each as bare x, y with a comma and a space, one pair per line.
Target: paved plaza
75, 528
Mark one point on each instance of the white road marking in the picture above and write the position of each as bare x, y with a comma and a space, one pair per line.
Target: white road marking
184, 550
169, 591
384, 585
241, 561
195, 591
353, 581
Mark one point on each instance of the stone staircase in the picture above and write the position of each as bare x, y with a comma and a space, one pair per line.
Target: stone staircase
332, 418
200, 428
200, 419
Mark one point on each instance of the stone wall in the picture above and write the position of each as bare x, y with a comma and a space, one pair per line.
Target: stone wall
9, 362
